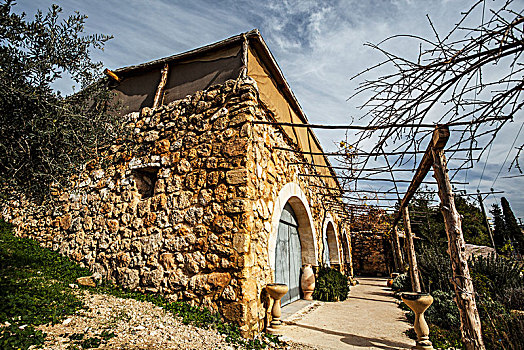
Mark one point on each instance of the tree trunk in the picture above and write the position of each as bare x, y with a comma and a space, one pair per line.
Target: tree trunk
410, 247
462, 283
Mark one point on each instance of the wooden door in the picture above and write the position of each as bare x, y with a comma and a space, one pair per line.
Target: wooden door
288, 259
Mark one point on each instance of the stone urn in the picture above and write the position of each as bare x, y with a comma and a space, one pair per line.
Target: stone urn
276, 291
419, 302
308, 282
392, 278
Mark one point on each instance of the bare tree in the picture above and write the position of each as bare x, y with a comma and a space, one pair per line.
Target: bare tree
472, 77
470, 81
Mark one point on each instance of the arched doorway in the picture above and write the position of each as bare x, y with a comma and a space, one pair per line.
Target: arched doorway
347, 253
288, 255
291, 205
331, 246
326, 260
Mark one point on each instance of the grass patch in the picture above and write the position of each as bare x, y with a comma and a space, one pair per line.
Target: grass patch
34, 290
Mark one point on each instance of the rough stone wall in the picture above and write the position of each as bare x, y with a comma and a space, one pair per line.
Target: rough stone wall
184, 207
186, 237
372, 254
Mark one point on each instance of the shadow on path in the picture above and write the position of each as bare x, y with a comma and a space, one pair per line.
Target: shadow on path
358, 340
371, 299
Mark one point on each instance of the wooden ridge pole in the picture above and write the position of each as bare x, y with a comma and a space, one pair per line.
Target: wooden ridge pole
462, 282
159, 96
410, 248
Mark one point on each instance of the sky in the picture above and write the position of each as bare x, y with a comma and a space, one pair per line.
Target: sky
319, 45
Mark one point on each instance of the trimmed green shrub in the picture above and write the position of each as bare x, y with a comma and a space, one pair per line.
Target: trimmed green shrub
444, 311
402, 283
331, 285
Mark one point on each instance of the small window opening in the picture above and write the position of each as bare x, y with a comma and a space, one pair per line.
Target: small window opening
145, 179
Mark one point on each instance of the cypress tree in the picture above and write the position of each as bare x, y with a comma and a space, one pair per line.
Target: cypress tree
512, 228
499, 232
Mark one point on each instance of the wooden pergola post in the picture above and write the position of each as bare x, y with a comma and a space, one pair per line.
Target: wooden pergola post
397, 253
462, 282
464, 292
410, 248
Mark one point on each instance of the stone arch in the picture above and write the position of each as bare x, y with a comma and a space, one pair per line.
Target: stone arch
292, 193
346, 247
329, 231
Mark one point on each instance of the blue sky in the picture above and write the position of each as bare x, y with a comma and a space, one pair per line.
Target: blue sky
319, 46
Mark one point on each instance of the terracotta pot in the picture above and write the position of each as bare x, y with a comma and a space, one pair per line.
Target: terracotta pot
389, 283
419, 302
308, 282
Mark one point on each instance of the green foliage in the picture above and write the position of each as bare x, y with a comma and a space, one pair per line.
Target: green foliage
402, 283
444, 311
45, 137
331, 285
499, 287
33, 289
513, 230
430, 223
19, 337
499, 231
494, 275
435, 268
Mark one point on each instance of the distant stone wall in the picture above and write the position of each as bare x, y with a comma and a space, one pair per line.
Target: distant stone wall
371, 255
185, 208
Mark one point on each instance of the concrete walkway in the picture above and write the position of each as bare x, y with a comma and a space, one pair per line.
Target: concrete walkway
368, 319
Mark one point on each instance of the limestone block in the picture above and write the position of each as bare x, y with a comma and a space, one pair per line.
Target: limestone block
183, 166
194, 215
153, 278
65, 221
204, 197
112, 226
128, 278
219, 279
236, 205
222, 223
249, 289
235, 147
234, 312
161, 146
86, 281
241, 242
221, 193
229, 293
151, 136
236, 177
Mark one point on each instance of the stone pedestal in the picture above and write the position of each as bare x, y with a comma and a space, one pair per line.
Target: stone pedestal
276, 291
419, 302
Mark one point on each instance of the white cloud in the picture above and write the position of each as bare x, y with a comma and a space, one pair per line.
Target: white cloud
318, 45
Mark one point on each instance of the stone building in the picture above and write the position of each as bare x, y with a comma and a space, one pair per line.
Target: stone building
206, 199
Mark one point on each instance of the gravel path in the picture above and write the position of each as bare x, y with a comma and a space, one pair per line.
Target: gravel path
136, 325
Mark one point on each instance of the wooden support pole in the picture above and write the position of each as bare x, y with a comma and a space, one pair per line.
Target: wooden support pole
410, 247
397, 253
112, 75
462, 283
485, 217
159, 96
